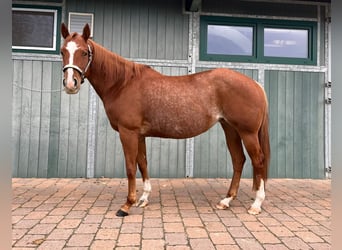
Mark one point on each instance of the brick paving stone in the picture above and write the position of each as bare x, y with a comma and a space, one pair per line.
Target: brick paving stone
227, 247
254, 226
129, 239
69, 223
295, 243
60, 234
107, 234
239, 232
192, 222
93, 218
294, 226
176, 239
52, 244
152, 244
22, 211
231, 222
30, 240
221, 238
196, 232
18, 233
309, 237
52, 219
171, 227
16, 218
177, 248
172, 218
201, 244
131, 228
274, 247
87, 228
265, 237
103, 244
26, 223
320, 246
42, 229
152, 233
215, 226
152, 222
36, 215
249, 244
60, 211
80, 240
76, 214
281, 231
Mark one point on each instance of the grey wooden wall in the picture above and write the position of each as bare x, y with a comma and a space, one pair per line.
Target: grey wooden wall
296, 106
49, 127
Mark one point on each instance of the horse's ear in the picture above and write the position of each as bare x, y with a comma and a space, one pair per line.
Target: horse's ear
86, 32
64, 31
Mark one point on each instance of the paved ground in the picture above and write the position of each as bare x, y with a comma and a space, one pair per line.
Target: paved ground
80, 214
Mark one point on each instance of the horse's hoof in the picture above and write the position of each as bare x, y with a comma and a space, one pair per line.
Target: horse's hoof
121, 213
221, 206
142, 203
254, 211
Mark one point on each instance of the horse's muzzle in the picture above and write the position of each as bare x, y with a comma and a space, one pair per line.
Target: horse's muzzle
71, 87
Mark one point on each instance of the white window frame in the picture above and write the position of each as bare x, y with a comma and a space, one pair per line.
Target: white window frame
91, 15
54, 39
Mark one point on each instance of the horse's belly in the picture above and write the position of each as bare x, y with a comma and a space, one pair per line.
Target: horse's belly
179, 125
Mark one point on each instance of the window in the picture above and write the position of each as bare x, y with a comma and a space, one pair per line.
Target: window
78, 20
230, 40
258, 40
35, 29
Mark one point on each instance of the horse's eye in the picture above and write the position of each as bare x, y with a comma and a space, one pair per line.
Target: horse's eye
84, 53
62, 53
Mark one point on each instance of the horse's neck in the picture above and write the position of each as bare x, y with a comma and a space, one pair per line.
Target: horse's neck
108, 71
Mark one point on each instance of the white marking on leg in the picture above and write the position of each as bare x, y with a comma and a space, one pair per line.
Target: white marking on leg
224, 203
260, 197
143, 201
71, 47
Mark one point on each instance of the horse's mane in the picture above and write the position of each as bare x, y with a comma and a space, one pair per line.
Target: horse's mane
117, 69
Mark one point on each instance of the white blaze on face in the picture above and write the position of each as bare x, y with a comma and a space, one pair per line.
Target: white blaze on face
71, 48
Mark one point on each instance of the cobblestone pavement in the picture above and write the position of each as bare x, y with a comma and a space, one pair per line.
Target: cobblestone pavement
80, 214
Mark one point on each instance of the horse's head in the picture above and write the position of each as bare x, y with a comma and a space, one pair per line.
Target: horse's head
77, 56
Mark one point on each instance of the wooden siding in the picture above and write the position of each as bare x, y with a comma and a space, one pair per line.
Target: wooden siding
296, 105
139, 29
166, 157
49, 127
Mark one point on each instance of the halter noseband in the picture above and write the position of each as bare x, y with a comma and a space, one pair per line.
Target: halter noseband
82, 73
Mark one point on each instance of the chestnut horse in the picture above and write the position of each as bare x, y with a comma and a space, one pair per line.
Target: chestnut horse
141, 102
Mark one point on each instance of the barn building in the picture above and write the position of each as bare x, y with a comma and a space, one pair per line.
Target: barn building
283, 44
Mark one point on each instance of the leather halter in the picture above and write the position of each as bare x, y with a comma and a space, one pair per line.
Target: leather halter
78, 69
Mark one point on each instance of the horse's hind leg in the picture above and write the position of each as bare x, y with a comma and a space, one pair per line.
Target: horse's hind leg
238, 159
142, 163
252, 145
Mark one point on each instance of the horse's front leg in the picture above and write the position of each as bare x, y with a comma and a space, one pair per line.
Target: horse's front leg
142, 164
129, 140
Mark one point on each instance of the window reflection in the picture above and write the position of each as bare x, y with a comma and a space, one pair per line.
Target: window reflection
279, 42
230, 40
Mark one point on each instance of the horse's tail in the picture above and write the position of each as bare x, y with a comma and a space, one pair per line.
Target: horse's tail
264, 141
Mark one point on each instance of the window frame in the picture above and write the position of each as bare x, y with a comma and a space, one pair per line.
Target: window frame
258, 40
91, 24
56, 34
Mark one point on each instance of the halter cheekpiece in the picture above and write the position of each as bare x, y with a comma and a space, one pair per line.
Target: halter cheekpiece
78, 69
